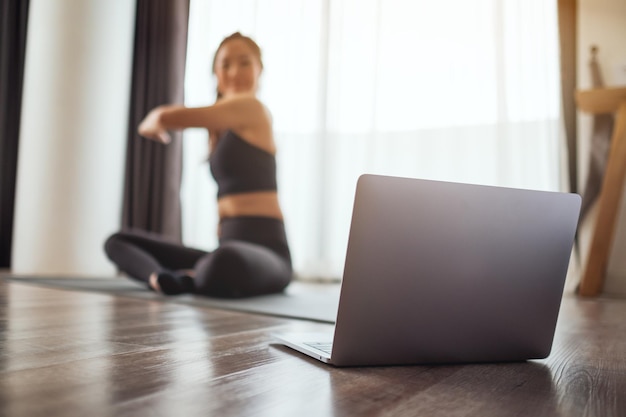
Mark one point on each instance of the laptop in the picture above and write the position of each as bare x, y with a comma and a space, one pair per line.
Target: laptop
441, 272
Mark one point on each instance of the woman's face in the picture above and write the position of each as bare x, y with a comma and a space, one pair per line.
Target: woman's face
237, 68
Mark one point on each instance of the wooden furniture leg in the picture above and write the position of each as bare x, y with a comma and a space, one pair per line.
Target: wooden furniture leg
608, 208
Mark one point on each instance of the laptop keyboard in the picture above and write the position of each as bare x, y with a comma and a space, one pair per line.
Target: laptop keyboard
325, 347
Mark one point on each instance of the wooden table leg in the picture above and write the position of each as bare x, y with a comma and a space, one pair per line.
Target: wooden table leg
608, 208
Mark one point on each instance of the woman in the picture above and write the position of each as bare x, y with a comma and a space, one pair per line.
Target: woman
253, 255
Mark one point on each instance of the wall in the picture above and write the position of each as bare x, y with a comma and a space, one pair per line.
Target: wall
72, 141
603, 23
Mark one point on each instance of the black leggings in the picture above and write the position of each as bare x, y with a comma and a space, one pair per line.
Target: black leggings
252, 258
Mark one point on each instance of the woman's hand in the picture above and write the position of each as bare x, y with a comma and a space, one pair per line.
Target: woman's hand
152, 127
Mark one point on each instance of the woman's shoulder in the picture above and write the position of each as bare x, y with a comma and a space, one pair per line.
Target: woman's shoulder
248, 108
256, 126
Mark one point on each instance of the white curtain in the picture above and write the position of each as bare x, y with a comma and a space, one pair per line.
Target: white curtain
451, 90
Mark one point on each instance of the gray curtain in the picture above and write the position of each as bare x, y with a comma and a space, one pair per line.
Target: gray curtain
153, 171
13, 24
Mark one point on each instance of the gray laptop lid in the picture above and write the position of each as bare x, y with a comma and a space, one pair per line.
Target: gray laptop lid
445, 272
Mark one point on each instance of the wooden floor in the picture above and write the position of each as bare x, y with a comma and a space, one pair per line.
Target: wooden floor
68, 353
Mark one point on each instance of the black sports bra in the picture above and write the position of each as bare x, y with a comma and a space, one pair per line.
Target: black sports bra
239, 167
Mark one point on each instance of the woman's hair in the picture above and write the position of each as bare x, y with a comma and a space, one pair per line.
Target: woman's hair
254, 47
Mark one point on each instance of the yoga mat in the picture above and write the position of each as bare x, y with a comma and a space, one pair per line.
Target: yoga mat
316, 302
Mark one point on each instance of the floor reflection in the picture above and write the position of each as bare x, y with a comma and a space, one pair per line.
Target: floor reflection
171, 354
483, 389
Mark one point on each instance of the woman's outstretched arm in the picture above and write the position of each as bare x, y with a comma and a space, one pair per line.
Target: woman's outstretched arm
237, 112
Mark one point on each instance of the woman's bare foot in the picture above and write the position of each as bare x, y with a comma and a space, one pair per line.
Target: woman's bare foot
168, 283
154, 282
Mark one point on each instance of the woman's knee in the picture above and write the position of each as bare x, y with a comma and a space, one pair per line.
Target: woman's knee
112, 244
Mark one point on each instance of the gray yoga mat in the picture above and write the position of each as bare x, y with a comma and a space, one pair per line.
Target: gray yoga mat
317, 302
